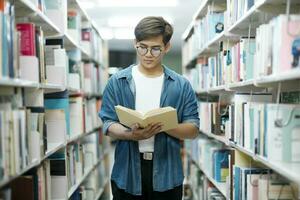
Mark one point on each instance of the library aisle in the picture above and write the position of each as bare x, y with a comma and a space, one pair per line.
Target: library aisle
242, 59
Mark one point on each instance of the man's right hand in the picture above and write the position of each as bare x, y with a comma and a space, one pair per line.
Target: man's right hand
137, 133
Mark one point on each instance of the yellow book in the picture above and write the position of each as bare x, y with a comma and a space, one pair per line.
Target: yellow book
166, 115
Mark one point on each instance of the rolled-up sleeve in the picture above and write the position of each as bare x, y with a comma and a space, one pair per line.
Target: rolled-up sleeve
190, 107
107, 112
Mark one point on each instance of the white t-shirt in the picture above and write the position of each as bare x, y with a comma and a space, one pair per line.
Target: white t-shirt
148, 92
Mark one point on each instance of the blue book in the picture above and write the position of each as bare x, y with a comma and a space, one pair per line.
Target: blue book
236, 184
250, 3
11, 39
221, 165
5, 68
213, 20
76, 195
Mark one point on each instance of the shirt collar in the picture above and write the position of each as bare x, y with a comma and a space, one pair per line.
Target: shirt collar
127, 73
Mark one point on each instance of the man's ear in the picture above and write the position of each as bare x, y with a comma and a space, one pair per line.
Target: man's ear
168, 47
134, 43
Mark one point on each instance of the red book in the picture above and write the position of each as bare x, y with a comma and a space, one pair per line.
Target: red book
27, 46
86, 34
2, 5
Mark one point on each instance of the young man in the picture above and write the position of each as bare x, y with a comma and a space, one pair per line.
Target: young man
147, 161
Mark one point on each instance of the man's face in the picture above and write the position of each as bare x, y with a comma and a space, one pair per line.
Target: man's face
151, 51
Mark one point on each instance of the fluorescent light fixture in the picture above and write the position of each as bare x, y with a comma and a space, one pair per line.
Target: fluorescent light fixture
137, 3
124, 21
124, 34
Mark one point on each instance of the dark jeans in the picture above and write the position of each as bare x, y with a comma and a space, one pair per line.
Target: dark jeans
147, 189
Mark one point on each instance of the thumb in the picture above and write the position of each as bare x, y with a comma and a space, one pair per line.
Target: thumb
135, 126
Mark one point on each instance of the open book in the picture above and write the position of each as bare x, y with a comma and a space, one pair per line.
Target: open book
166, 115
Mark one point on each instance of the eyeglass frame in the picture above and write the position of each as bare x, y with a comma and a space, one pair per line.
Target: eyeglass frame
147, 49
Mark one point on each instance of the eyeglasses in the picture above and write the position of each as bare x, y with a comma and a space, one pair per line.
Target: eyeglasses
155, 51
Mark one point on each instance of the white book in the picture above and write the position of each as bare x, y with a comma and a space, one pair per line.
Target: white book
59, 187
274, 189
8, 168
34, 97
247, 128
274, 135
252, 185
74, 81
24, 142
56, 75
283, 132
76, 115
239, 99
34, 139
60, 58
15, 143
29, 68
58, 14
56, 127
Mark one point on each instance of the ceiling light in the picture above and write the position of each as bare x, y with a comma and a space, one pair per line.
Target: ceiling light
137, 3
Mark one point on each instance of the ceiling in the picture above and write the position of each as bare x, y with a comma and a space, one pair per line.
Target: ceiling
126, 17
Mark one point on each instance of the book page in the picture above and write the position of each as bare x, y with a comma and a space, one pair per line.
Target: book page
158, 111
167, 116
127, 116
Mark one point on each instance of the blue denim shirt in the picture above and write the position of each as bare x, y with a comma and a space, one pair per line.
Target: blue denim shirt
167, 165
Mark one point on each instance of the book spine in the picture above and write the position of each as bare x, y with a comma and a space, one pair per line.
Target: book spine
28, 47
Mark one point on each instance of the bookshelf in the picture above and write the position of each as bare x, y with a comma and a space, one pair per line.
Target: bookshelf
288, 170
221, 186
100, 192
28, 9
221, 67
37, 135
202, 10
